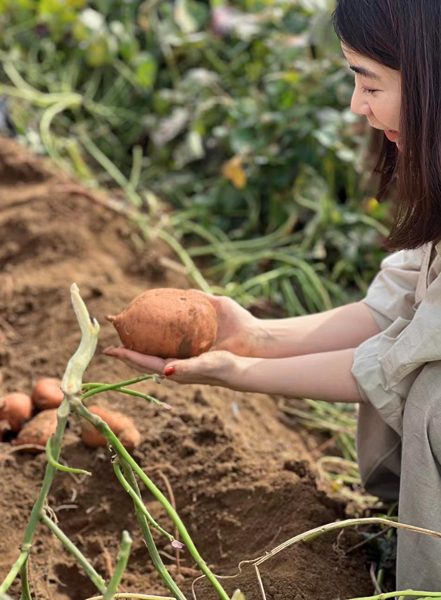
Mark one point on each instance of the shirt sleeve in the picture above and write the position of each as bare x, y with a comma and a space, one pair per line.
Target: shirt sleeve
392, 292
386, 365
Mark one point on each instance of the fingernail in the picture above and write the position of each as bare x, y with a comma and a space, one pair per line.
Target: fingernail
169, 371
108, 350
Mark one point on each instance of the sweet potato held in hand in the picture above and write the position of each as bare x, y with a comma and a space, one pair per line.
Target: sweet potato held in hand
121, 425
168, 323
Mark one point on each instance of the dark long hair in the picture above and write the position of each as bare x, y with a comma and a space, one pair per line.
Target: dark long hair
405, 35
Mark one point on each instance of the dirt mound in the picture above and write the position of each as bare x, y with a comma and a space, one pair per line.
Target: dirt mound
241, 479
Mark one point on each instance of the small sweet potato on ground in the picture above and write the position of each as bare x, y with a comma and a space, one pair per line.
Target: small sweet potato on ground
168, 323
121, 425
47, 393
16, 409
38, 430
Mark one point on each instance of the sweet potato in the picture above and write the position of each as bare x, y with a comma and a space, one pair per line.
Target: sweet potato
16, 409
38, 430
168, 323
47, 393
121, 425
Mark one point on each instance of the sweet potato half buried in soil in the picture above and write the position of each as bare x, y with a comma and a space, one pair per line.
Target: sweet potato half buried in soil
121, 425
47, 393
16, 409
38, 430
169, 323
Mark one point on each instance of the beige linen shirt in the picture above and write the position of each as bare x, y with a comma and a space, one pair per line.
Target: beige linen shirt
405, 300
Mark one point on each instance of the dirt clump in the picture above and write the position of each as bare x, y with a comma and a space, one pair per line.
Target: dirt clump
240, 477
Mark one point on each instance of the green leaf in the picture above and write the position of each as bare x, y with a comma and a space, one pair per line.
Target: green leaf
146, 69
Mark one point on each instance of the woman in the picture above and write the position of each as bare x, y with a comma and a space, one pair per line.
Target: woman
383, 352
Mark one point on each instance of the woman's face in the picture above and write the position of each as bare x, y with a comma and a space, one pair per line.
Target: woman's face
377, 93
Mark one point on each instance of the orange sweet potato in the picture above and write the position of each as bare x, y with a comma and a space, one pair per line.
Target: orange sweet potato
38, 430
47, 393
168, 323
121, 425
16, 409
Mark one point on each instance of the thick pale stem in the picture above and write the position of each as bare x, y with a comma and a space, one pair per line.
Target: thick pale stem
73, 377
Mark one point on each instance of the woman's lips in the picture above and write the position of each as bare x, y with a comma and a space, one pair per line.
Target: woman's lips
392, 135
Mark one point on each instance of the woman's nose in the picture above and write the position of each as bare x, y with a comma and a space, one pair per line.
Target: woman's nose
359, 106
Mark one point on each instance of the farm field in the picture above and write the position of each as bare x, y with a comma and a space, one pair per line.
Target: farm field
243, 481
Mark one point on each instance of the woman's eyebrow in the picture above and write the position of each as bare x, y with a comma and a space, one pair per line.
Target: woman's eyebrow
365, 73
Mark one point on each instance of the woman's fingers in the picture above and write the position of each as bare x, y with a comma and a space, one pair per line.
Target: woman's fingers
152, 364
210, 368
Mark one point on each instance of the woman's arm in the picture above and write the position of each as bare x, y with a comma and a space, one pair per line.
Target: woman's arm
301, 351
338, 329
326, 376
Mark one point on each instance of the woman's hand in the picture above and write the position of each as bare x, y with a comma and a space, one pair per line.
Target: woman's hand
212, 368
239, 335
239, 331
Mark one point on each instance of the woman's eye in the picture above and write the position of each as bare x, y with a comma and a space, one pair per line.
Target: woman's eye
368, 91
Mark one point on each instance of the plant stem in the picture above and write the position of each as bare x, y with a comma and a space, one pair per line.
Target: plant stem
73, 377
150, 543
192, 269
318, 531
145, 396
95, 577
138, 502
406, 593
135, 174
71, 385
133, 595
62, 413
105, 430
16, 567
25, 591
121, 564
111, 168
59, 466
98, 388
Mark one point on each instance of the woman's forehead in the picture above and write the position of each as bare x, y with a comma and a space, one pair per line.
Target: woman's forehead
368, 67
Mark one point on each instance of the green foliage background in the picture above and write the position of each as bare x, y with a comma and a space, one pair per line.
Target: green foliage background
228, 128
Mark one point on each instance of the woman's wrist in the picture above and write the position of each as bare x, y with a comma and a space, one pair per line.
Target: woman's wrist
238, 377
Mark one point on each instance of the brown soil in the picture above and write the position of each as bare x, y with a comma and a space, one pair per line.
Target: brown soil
242, 480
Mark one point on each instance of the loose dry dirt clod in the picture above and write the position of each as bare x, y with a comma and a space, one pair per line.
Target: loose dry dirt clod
234, 464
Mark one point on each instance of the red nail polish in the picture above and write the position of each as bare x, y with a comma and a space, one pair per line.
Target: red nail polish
169, 371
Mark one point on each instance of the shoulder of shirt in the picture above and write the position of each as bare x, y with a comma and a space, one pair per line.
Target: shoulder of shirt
408, 259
